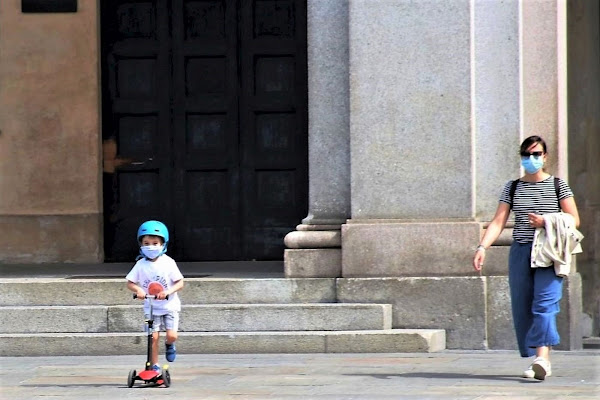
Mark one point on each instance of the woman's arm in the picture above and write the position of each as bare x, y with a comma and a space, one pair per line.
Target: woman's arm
491, 234
568, 205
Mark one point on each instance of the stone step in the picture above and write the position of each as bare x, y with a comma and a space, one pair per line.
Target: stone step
92, 344
71, 292
200, 318
591, 342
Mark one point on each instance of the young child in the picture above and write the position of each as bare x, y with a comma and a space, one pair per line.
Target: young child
157, 274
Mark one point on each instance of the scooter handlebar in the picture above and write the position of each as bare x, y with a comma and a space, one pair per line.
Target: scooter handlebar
149, 296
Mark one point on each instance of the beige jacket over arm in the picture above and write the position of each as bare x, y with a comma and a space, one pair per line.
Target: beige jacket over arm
555, 243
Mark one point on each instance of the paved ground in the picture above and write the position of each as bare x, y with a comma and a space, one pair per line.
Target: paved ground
482, 375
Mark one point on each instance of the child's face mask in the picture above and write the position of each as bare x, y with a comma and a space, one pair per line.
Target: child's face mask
151, 252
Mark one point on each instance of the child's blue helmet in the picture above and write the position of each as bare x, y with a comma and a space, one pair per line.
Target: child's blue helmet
155, 228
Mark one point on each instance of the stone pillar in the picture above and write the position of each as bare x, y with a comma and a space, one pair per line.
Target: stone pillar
496, 118
540, 75
412, 166
314, 248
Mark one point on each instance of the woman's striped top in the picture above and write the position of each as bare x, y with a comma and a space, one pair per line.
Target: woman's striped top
533, 197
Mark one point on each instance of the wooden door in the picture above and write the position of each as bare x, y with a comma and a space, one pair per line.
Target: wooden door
204, 125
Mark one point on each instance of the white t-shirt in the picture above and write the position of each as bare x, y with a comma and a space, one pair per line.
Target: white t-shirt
164, 271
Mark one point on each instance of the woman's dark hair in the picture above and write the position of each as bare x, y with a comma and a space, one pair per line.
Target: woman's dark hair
530, 141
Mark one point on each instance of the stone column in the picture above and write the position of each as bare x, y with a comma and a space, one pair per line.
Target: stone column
496, 115
412, 165
496, 118
314, 248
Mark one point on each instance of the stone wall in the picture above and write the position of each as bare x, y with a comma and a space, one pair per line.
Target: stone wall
49, 142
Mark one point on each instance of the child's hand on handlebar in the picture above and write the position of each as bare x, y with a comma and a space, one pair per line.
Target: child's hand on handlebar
162, 295
140, 295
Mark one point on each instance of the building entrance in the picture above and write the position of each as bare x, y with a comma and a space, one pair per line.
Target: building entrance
204, 118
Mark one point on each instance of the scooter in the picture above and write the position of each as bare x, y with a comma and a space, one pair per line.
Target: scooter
148, 375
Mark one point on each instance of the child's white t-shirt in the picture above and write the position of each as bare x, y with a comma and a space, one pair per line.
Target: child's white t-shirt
164, 271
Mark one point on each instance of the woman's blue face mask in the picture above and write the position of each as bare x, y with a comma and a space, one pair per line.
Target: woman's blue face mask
532, 163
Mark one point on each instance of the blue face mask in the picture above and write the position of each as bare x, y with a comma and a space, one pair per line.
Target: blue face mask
532, 164
151, 252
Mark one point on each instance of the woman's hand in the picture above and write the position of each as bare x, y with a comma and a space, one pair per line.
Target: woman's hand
537, 221
478, 260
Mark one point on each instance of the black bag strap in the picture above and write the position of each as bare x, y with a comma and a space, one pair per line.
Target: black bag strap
513, 189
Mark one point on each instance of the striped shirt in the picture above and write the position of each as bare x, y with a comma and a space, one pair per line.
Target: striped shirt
533, 197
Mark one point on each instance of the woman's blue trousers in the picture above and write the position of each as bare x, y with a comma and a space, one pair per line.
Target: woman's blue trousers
535, 294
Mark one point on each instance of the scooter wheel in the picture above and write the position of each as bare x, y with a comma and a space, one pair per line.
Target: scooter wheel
166, 378
131, 377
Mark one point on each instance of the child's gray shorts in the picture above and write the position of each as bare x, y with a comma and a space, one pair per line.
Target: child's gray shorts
168, 321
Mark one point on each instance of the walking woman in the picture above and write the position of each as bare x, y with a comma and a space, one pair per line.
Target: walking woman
535, 292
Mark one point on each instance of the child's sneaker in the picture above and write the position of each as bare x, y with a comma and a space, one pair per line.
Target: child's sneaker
541, 368
156, 368
170, 352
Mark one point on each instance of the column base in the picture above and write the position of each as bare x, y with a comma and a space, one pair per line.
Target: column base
312, 263
313, 252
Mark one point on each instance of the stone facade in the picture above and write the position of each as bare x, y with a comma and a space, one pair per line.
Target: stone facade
416, 110
440, 97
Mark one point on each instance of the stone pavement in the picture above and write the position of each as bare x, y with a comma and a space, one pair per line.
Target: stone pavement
481, 375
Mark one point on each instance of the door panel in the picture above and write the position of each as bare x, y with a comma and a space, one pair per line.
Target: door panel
136, 120
206, 128
272, 123
205, 125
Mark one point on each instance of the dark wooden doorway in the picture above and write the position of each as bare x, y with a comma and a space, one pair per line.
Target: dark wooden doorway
204, 125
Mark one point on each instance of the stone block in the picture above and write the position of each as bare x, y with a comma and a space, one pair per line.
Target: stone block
496, 261
63, 292
390, 341
387, 249
53, 319
72, 344
569, 318
57, 238
501, 332
40, 292
258, 291
455, 304
285, 317
126, 319
104, 344
409, 81
312, 263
